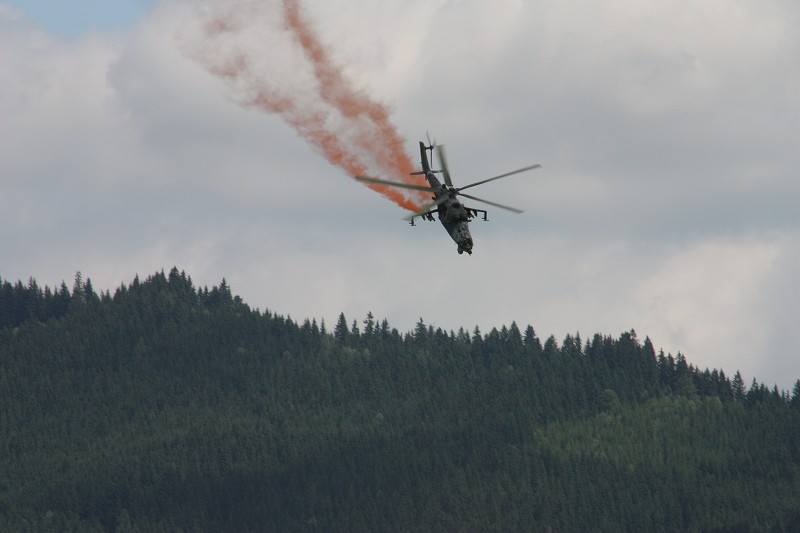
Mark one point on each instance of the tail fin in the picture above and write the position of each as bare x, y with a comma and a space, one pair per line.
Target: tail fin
424, 157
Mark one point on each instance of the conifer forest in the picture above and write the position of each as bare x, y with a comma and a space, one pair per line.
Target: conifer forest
168, 407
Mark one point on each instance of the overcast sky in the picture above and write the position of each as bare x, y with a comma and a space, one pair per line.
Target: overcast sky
667, 203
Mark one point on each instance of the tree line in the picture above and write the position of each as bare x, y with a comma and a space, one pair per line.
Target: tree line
164, 406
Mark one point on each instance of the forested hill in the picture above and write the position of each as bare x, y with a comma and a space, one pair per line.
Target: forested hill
165, 407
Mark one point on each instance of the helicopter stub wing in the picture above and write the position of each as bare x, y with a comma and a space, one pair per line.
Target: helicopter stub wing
428, 209
428, 215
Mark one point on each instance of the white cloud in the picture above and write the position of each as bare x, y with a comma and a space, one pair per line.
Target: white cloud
667, 201
707, 297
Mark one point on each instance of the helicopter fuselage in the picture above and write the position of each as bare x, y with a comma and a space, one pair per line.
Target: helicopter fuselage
451, 212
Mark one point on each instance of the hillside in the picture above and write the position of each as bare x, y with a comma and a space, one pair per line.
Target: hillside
169, 407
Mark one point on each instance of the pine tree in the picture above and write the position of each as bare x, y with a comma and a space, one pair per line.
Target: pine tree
369, 324
738, 388
78, 291
340, 332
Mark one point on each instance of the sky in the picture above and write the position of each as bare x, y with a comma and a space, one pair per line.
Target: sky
78, 17
666, 201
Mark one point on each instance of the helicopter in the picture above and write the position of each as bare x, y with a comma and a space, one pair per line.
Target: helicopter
452, 213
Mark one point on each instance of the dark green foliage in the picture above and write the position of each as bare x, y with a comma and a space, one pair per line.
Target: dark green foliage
166, 407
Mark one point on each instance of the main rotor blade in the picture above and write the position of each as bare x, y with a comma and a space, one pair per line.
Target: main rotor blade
395, 184
443, 161
500, 176
501, 206
427, 207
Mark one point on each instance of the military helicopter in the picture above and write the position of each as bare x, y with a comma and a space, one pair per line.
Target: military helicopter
452, 213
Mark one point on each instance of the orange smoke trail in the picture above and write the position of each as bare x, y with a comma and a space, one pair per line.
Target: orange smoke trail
351, 130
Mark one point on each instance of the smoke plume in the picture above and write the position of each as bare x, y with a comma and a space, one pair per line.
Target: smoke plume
274, 61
